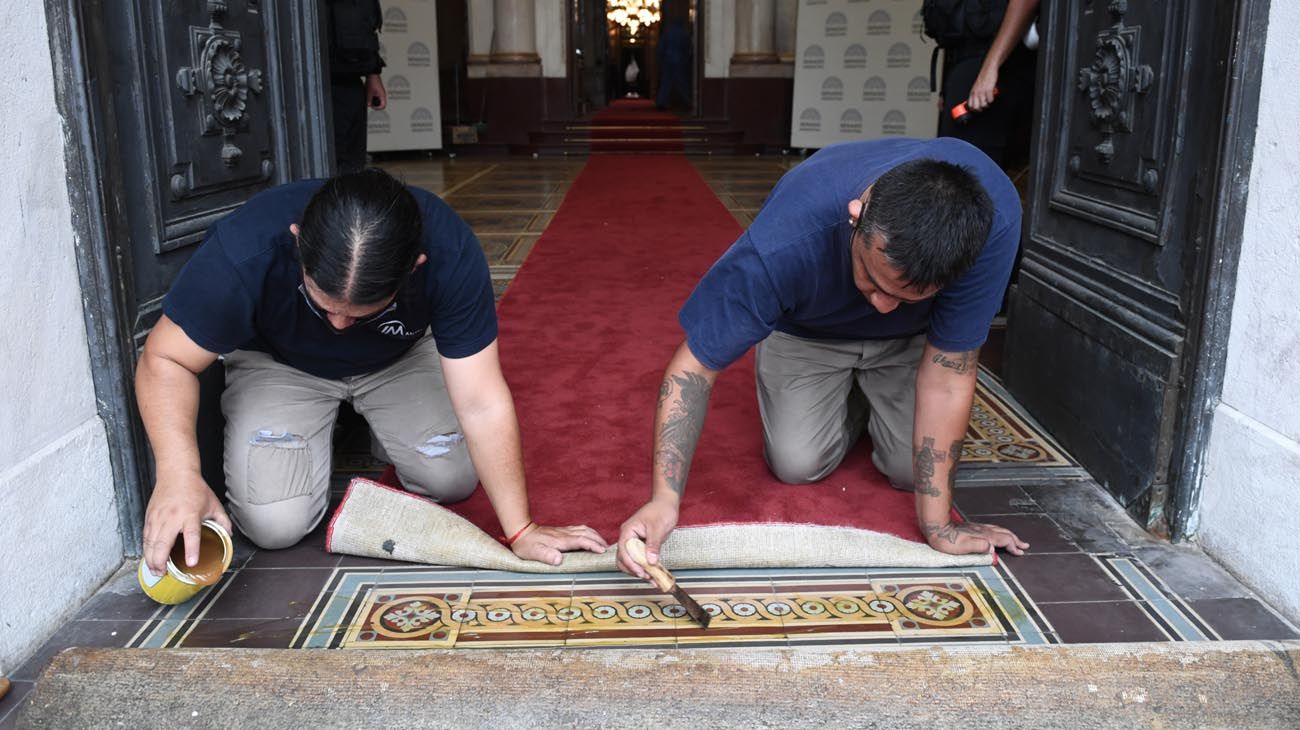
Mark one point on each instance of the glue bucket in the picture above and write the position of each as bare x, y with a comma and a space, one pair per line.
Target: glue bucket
180, 583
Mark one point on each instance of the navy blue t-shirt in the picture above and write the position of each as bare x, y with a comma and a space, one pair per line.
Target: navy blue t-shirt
242, 291
791, 270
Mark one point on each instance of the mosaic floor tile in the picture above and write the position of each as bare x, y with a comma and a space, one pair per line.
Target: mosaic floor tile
920, 607
1182, 568
506, 614
978, 502
1040, 531
1243, 618
622, 613
267, 594
1064, 578
741, 612
120, 599
1102, 622
406, 618
244, 633
998, 433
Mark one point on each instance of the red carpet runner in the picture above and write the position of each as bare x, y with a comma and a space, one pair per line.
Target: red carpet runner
635, 125
586, 330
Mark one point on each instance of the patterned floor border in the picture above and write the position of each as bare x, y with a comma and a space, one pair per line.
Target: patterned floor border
1006, 446
413, 607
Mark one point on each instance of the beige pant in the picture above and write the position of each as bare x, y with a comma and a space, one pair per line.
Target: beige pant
279, 424
812, 413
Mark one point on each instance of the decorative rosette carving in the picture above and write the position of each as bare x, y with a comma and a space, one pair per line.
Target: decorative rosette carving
1112, 80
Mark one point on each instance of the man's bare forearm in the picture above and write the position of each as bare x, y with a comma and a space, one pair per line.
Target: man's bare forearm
1015, 22
679, 420
492, 435
945, 389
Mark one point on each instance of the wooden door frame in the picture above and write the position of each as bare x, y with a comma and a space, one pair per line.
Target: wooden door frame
1214, 288
91, 149
94, 203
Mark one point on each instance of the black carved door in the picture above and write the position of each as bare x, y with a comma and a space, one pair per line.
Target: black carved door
1129, 115
197, 105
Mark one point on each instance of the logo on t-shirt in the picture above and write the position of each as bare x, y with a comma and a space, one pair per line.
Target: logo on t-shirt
395, 328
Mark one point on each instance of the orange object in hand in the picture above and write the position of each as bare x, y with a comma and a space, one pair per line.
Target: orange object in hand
961, 114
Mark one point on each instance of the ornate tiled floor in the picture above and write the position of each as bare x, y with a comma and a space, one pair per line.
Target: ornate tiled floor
1091, 574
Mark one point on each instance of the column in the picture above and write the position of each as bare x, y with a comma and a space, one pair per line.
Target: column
516, 32
755, 32
480, 31
787, 11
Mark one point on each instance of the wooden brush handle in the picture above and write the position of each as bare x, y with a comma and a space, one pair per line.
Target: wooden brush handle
662, 578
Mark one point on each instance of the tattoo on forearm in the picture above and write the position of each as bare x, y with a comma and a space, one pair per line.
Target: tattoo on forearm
923, 461
949, 532
665, 390
959, 362
954, 457
681, 429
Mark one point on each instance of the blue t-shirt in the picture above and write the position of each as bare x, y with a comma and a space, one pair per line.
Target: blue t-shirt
241, 291
791, 270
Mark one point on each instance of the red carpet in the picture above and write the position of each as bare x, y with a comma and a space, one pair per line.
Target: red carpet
635, 125
586, 330
634, 111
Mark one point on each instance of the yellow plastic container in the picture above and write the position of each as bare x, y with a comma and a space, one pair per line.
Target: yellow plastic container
181, 583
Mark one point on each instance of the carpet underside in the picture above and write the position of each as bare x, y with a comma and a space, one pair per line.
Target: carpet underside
380, 522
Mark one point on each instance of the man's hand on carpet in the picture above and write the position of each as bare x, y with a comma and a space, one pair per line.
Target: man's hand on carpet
179, 505
651, 524
972, 537
545, 544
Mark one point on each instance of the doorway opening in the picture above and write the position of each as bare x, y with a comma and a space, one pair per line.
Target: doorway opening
617, 56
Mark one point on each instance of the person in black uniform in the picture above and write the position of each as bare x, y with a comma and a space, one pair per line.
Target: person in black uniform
987, 66
355, 83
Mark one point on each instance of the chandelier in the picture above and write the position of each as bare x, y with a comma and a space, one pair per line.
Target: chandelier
632, 14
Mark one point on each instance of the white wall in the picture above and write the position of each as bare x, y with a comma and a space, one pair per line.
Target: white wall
1252, 481
58, 523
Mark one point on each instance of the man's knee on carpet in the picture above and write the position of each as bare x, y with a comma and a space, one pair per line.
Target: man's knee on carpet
438, 467
896, 466
798, 464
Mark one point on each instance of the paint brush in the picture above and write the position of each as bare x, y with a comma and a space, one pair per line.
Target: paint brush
666, 582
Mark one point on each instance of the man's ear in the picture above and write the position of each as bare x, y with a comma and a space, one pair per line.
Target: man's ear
855, 210
856, 205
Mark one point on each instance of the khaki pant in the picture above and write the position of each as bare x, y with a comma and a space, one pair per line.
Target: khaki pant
813, 414
279, 424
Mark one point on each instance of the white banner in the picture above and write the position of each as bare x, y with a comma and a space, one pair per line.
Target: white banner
862, 71
409, 46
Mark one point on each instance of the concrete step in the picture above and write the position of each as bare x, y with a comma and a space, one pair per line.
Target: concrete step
1183, 684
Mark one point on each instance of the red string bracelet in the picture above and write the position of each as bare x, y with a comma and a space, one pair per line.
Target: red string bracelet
510, 541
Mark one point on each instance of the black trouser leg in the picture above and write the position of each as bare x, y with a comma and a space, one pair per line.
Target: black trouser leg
349, 103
